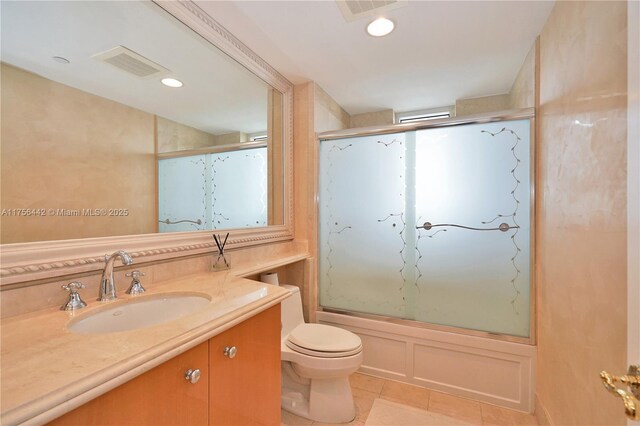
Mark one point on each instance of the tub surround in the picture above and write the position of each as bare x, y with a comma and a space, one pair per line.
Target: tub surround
480, 368
48, 371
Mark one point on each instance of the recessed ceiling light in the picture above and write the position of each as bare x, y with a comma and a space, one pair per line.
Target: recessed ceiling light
61, 60
380, 27
171, 82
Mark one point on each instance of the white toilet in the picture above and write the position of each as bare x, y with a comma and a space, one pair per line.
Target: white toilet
317, 360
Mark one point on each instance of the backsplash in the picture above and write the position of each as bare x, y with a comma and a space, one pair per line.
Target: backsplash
32, 296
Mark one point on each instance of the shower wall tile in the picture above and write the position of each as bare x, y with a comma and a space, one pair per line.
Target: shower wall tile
581, 234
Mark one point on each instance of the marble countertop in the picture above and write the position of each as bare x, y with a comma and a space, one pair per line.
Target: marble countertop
48, 371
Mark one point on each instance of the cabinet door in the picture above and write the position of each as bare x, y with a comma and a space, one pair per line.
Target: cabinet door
161, 396
245, 389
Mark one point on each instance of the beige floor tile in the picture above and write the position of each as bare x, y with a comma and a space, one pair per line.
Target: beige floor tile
497, 416
366, 382
290, 419
458, 408
403, 393
388, 413
364, 401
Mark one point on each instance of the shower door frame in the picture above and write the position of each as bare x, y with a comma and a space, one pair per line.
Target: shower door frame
499, 116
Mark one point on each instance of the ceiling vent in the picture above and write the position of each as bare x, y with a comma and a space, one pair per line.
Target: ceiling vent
131, 62
356, 9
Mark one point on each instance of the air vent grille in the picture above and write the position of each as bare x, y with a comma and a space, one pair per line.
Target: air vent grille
356, 9
131, 62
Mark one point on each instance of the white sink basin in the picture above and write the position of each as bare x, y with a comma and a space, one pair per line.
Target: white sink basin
139, 312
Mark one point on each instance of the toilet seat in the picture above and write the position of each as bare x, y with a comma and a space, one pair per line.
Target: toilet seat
321, 354
323, 341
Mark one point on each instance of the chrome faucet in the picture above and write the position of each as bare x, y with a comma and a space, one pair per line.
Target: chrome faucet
107, 286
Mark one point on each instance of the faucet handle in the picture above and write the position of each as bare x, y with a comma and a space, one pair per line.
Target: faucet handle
75, 301
135, 287
135, 274
73, 286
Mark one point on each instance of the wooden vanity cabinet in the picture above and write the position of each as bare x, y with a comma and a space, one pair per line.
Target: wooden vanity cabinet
245, 389
239, 390
161, 396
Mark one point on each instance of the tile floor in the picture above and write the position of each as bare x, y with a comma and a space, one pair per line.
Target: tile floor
367, 388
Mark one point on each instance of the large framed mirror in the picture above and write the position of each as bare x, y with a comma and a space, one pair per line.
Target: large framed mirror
140, 125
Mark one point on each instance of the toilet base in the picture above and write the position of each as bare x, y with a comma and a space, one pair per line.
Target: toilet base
321, 400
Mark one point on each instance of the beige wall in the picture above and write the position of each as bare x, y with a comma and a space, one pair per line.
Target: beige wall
581, 234
66, 149
231, 138
173, 136
482, 104
377, 118
327, 114
522, 91
521, 94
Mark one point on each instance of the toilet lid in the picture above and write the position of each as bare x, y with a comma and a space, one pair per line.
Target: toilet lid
324, 338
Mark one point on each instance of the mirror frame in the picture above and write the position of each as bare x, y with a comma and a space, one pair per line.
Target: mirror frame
21, 262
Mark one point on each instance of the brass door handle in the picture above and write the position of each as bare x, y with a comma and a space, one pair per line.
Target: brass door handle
629, 397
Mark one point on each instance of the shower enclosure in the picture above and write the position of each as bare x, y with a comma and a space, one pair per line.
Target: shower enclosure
431, 225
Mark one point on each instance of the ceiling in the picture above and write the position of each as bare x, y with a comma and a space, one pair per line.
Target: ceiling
440, 51
219, 95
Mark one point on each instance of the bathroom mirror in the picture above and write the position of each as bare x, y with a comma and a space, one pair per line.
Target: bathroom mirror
94, 144
100, 151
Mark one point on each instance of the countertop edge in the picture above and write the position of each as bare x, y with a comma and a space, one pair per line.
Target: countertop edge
57, 404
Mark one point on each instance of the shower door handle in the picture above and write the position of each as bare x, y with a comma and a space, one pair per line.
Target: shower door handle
629, 396
504, 227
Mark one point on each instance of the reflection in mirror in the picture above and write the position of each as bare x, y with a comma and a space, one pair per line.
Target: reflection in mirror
200, 191
94, 145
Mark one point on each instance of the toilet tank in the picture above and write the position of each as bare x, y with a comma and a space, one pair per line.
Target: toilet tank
291, 310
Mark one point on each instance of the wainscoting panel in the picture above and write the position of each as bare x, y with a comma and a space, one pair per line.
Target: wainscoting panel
488, 370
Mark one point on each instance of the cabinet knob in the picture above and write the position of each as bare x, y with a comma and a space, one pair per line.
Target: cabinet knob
230, 351
192, 375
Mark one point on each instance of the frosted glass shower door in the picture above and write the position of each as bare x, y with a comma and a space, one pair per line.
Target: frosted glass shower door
430, 225
361, 221
182, 194
239, 188
475, 176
